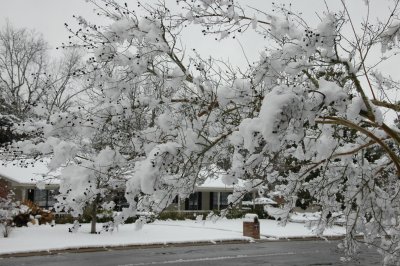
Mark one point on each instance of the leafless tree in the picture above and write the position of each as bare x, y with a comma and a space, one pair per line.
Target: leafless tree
28, 78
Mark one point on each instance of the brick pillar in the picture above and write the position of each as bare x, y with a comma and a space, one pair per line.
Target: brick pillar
251, 229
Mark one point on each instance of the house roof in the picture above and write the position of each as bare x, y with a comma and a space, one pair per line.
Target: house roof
28, 172
215, 179
33, 172
216, 183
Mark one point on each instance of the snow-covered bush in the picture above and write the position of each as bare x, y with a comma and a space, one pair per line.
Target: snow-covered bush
27, 212
7, 214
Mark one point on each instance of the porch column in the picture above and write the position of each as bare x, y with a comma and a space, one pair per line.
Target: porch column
179, 204
254, 200
218, 199
23, 194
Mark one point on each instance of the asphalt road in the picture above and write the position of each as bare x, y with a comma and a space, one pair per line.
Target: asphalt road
259, 253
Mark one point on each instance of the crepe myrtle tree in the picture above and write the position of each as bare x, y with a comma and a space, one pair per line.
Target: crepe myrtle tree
325, 114
112, 128
145, 104
90, 185
309, 116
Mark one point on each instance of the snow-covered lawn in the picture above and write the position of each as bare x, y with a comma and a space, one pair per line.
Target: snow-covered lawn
305, 217
45, 237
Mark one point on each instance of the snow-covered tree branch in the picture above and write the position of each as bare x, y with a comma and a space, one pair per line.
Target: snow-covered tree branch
311, 115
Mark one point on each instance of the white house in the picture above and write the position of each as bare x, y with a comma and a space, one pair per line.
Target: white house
30, 180
211, 195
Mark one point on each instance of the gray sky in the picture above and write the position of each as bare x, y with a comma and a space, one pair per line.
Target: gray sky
45, 16
48, 17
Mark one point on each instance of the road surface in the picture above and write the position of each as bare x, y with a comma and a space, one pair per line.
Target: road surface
258, 253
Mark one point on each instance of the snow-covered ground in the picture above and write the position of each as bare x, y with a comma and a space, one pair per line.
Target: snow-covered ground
45, 237
307, 217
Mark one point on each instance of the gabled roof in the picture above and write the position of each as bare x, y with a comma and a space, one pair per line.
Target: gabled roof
214, 183
215, 179
31, 172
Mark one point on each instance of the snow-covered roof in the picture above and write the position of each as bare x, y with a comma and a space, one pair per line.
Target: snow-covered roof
216, 179
32, 172
215, 183
28, 172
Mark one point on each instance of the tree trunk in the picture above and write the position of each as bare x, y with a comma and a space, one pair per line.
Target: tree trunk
94, 216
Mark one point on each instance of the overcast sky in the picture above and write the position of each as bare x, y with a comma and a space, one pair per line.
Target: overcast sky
48, 17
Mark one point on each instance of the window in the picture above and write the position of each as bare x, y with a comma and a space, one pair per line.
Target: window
176, 200
40, 197
194, 201
214, 200
120, 201
223, 200
248, 197
44, 198
51, 197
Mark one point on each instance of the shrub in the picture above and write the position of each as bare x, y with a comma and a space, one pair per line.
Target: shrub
172, 215
21, 219
235, 213
5, 229
64, 218
175, 215
7, 212
29, 211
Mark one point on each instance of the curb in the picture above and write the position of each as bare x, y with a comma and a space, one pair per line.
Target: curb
121, 247
159, 245
301, 238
